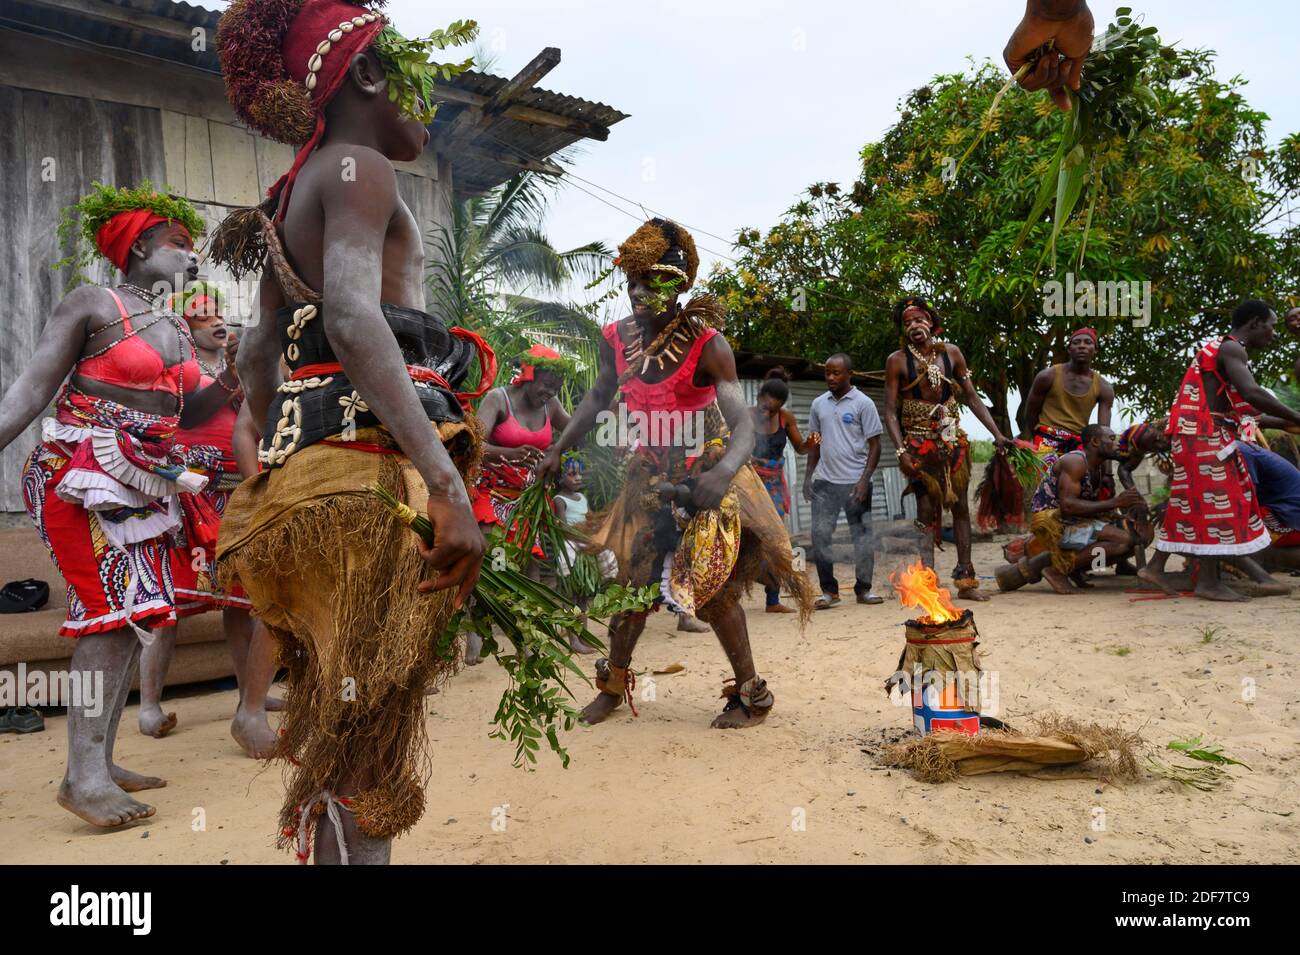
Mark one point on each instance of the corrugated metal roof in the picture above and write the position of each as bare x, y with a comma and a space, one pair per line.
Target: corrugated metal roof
471, 173
51, 19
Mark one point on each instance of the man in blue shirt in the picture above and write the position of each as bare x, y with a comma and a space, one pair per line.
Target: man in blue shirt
840, 466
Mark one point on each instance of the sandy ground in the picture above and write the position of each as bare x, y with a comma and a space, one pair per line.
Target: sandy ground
667, 788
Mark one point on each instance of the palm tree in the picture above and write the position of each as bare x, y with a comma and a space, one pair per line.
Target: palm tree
496, 272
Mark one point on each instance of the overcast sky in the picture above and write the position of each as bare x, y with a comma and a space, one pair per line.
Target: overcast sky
737, 105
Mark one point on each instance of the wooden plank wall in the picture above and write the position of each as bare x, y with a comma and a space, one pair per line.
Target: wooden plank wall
60, 145
188, 142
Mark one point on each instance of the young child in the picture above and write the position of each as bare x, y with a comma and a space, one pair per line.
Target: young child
571, 507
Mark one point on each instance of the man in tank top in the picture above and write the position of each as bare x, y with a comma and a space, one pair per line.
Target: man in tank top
1061, 401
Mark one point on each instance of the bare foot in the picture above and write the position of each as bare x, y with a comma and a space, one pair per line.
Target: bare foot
253, 734
1266, 588
1059, 582
1080, 579
106, 806
274, 704
1221, 592
134, 782
154, 723
578, 645
473, 649
598, 710
972, 593
736, 718
689, 624
1159, 581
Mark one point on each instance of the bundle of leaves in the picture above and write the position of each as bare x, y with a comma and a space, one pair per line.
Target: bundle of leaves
412, 70
1207, 777
535, 623
1114, 101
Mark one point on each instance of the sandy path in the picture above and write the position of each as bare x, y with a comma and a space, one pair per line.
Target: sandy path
666, 788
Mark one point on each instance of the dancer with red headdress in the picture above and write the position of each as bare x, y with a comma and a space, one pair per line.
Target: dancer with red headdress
103, 485
1062, 399
209, 449
521, 421
371, 402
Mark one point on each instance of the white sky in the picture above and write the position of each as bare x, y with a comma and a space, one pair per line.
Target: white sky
737, 105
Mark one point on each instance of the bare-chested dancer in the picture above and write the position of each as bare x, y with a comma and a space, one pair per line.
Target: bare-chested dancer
370, 401
674, 367
102, 485
926, 383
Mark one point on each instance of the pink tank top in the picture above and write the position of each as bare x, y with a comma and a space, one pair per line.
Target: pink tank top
511, 433
677, 392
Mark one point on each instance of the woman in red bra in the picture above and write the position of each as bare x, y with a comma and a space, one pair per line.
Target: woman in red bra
209, 447
521, 421
102, 485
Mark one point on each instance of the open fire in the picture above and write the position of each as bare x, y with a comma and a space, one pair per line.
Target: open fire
918, 587
939, 662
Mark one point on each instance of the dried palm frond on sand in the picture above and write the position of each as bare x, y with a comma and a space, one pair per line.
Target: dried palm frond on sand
1056, 742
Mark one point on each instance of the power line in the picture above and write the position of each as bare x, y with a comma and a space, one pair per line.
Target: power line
570, 177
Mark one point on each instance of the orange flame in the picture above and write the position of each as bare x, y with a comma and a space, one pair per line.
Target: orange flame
918, 587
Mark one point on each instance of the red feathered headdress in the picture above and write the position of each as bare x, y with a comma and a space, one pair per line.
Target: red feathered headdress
283, 61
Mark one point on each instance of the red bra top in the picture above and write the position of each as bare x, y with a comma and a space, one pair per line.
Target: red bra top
131, 362
677, 392
511, 433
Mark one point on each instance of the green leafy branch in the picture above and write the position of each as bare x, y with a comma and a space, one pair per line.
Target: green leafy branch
536, 623
412, 70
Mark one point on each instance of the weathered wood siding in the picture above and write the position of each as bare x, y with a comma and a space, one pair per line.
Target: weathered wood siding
144, 121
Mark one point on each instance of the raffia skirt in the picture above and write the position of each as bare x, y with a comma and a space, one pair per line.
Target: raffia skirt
333, 575
764, 552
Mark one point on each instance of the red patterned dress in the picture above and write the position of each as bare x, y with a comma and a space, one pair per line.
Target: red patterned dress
1213, 509
207, 448
103, 490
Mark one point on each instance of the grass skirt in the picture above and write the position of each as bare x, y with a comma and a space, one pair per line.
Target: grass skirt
765, 554
333, 575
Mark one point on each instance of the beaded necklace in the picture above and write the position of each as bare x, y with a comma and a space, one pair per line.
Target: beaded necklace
183, 336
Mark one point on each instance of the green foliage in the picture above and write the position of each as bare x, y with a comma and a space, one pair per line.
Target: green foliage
1112, 102
1193, 748
535, 623
412, 71
1198, 204
81, 221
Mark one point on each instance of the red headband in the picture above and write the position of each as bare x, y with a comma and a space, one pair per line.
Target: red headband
318, 48
1096, 342
528, 372
198, 301
115, 237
